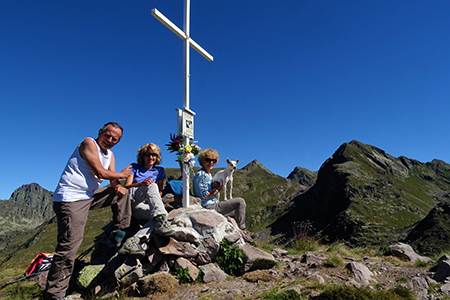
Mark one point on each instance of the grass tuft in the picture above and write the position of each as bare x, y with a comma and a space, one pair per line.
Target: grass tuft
302, 241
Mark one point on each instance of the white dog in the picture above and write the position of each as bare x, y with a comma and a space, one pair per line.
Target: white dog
226, 176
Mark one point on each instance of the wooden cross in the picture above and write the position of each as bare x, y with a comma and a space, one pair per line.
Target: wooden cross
185, 115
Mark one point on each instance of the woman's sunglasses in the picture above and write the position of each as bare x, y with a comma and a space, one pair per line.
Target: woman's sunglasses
147, 154
211, 160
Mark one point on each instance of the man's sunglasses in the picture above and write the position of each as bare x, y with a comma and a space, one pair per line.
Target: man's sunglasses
108, 136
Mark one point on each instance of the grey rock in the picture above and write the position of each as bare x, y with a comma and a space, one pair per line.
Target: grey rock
255, 259
212, 272
446, 288
277, 252
405, 251
419, 285
311, 260
361, 272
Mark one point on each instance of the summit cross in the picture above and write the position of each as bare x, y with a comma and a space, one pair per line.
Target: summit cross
186, 115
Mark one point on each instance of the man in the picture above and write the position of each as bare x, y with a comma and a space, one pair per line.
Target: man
77, 192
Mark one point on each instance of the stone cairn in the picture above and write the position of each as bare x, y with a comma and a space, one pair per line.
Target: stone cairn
193, 247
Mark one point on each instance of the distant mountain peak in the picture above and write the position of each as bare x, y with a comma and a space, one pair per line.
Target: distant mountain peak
303, 176
255, 164
26, 192
29, 204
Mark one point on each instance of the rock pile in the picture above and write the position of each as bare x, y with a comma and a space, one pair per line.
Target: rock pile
191, 252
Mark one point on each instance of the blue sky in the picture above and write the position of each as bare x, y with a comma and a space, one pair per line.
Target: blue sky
290, 82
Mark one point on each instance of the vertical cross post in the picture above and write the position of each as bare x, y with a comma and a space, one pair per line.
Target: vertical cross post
186, 111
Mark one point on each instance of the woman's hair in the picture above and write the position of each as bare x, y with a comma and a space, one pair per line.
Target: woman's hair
145, 148
207, 153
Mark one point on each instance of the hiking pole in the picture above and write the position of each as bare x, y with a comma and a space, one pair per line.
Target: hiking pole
84, 253
23, 278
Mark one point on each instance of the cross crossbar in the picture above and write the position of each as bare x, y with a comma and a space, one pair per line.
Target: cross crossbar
180, 33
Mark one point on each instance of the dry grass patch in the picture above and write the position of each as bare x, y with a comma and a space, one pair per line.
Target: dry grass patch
258, 275
155, 286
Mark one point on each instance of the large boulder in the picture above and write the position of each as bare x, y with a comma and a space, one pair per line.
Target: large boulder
361, 272
406, 252
256, 259
195, 223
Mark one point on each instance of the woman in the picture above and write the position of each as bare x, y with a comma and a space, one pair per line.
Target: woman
145, 185
202, 188
146, 171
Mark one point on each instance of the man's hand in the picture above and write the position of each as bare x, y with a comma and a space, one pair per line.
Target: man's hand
120, 190
126, 172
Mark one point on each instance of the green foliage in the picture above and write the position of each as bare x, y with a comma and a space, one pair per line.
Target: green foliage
421, 263
434, 287
385, 250
403, 280
335, 292
230, 259
200, 276
183, 275
275, 294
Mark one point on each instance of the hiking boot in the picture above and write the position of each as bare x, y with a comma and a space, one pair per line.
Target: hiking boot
116, 237
132, 247
162, 226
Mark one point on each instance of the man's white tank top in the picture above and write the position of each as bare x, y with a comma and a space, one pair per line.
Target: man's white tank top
78, 181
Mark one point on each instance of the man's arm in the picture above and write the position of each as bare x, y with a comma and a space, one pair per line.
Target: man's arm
88, 151
119, 189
